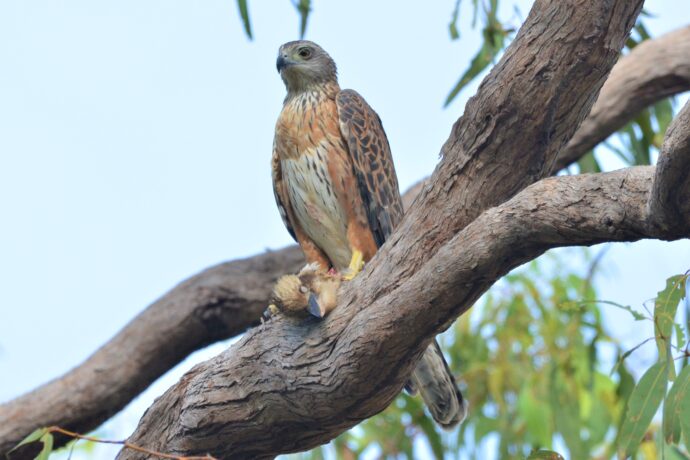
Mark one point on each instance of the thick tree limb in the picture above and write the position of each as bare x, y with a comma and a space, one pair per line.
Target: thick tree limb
669, 198
653, 70
291, 385
524, 113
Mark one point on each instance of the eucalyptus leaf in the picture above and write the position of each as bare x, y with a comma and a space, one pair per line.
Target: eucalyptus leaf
537, 415
244, 15
685, 420
47, 440
665, 307
588, 163
635, 314
32, 437
642, 405
680, 391
303, 8
480, 62
453, 26
680, 335
435, 441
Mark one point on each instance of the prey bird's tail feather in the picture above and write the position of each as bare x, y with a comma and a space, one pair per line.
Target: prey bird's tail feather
434, 381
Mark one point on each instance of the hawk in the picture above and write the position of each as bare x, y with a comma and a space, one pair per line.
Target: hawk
337, 192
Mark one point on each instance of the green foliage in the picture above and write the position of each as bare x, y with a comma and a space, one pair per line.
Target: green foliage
244, 15
637, 140
303, 8
634, 144
42, 436
33, 437
530, 357
495, 37
642, 405
588, 163
665, 308
47, 440
680, 392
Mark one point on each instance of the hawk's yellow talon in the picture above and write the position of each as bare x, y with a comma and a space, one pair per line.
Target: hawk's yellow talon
356, 265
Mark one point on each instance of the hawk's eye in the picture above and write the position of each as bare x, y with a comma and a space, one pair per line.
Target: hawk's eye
305, 53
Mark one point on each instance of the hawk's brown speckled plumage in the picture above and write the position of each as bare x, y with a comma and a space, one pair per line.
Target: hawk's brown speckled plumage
335, 140
336, 188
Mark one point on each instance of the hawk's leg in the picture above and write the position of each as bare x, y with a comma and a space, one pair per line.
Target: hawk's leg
362, 245
356, 265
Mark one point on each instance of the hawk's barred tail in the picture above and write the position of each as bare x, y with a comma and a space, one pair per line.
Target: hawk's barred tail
434, 381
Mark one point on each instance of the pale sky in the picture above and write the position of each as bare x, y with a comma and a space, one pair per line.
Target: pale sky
135, 139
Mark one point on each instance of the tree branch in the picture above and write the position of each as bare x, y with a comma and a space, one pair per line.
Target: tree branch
669, 199
653, 70
220, 302
291, 385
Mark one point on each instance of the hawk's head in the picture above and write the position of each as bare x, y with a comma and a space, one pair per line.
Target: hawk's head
303, 64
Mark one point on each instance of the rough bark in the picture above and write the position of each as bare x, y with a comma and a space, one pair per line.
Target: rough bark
524, 113
290, 385
652, 71
671, 186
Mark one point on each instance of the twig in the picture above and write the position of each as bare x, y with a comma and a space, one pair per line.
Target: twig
125, 444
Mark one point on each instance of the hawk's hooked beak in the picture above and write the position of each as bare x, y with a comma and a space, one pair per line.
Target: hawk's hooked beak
314, 308
281, 63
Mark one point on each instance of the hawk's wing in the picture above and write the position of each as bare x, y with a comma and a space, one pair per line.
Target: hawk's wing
372, 163
280, 193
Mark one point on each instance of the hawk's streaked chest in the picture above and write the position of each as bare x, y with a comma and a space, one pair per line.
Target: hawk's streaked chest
310, 147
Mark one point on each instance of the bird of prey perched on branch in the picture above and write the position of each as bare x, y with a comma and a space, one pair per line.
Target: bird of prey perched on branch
337, 192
